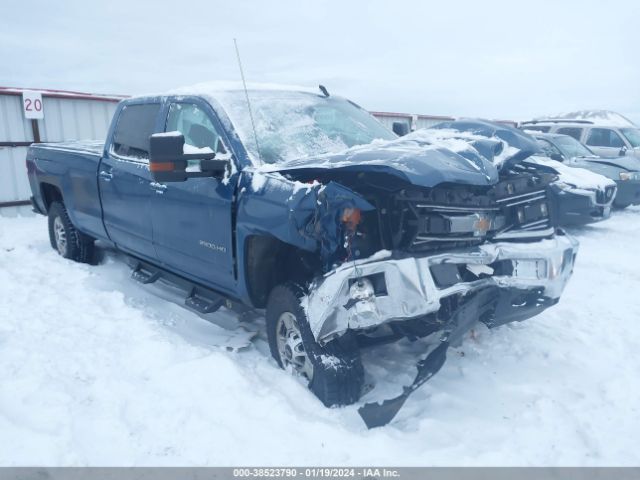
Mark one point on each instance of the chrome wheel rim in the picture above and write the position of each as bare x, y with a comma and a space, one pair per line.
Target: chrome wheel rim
290, 347
60, 236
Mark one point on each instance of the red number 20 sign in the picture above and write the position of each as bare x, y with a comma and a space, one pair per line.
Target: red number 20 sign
32, 105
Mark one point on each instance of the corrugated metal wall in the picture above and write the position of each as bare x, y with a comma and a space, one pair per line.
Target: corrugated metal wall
65, 118
414, 121
387, 119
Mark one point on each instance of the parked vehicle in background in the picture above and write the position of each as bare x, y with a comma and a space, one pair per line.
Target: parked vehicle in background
345, 242
603, 140
624, 171
576, 196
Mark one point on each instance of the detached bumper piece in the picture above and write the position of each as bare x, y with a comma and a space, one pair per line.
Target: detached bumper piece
380, 414
487, 302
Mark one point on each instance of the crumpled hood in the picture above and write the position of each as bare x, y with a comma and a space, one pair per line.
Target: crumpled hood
517, 145
630, 164
414, 161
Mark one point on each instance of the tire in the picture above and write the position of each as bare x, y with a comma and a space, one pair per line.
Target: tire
337, 374
65, 238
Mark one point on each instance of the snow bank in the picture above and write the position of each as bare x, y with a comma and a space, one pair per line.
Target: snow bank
98, 370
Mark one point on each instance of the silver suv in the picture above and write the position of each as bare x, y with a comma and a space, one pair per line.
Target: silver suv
603, 140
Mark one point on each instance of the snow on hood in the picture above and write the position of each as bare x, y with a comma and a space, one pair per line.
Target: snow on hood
598, 117
573, 176
516, 144
466, 143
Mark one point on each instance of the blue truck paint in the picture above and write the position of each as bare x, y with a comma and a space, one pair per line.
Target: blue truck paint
428, 168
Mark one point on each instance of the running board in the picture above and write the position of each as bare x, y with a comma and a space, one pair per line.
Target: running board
145, 274
202, 303
198, 298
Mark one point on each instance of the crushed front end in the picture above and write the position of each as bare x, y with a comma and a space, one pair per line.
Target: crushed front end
434, 261
436, 246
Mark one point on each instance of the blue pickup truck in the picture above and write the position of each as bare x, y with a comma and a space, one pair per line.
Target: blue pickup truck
302, 204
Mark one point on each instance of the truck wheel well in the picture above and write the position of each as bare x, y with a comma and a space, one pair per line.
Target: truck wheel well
50, 194
270, 262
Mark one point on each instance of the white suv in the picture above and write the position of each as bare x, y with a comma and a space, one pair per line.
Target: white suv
606, 141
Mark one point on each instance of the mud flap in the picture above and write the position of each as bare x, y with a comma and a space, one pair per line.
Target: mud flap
465, 316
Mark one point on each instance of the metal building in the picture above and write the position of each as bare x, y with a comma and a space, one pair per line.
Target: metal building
66, 116
414, 121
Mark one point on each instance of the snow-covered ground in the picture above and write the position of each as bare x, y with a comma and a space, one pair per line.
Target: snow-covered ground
98, 370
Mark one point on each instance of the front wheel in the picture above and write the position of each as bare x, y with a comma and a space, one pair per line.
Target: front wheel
65, 238
333, 372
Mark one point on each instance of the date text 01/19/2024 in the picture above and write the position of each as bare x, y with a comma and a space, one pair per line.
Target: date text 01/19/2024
319, 472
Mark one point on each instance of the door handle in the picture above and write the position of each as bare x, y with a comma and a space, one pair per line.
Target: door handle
106, 175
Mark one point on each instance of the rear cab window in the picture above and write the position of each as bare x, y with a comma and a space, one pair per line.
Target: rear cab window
135, 125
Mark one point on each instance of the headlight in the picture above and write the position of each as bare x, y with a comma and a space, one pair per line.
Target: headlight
629, 175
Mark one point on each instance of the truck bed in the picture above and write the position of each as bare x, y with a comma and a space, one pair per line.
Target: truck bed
71, 167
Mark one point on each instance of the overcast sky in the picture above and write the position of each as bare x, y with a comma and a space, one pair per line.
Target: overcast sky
494, 59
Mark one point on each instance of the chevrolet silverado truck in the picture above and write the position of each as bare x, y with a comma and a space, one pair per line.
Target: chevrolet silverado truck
302, 205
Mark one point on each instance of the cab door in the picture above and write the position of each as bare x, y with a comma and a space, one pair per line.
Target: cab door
192, 220
605, 142
124, 180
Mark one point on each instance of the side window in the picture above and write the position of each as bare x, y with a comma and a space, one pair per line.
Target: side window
571, 131
548, 148
135, 126
195, 125
604, 137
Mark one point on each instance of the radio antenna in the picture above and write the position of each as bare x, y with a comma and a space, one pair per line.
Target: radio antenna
246, 94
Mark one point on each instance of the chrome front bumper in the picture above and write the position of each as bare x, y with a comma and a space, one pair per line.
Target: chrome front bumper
369, 292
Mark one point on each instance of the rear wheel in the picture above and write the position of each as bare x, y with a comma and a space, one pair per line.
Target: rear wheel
65, 238
333, 372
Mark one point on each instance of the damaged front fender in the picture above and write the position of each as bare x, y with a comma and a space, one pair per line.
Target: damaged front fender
305, 215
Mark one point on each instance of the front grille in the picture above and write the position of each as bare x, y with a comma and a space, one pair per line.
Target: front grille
605, 196
506, 209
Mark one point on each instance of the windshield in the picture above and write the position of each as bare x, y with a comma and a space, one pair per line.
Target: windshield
633, 135
291, 125
570, 147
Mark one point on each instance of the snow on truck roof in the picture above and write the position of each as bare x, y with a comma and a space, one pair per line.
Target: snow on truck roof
215, 88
